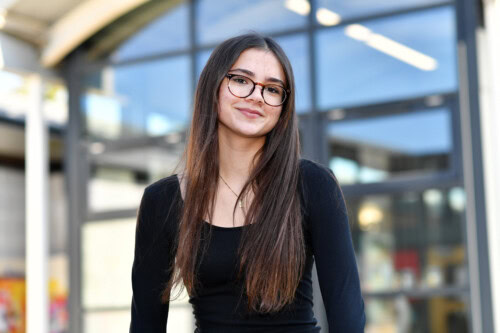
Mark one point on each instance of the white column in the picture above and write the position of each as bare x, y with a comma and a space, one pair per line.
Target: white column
489, 62
37, 244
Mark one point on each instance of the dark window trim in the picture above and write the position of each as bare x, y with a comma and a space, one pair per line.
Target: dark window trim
419, 293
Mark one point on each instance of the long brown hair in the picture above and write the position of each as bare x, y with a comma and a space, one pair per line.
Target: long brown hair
272, 249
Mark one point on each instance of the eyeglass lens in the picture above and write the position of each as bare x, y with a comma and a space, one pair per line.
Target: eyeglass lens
242, 86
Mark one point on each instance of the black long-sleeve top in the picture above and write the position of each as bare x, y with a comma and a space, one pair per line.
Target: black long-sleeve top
218, 306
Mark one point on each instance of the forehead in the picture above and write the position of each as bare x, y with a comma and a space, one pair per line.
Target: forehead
262, 62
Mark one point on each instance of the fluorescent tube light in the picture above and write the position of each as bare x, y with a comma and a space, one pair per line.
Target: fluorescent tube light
327, 17
301, 7
391, 47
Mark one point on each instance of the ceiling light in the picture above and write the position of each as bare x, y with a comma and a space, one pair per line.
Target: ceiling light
358, 32
327, 17
403, 52
370, 216
391, 47
301, 7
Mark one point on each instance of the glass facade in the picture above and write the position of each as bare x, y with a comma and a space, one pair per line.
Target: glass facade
377, 102
217, 20
379, 148
384, 59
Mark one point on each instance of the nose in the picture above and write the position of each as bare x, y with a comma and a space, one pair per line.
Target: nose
257, 94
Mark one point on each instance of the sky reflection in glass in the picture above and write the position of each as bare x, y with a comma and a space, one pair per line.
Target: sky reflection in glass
220, 19
347, 9
150, 98
351, 72
415, 133
166, 33
158, 87
295, 47
370, 150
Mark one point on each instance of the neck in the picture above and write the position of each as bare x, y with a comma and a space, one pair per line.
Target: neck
236, 154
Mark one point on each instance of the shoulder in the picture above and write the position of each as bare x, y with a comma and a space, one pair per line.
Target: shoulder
319, 185
161, 189
312, 172
159, 207
160, 199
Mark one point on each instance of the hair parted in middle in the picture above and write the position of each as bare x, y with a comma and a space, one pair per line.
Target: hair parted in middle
272, 250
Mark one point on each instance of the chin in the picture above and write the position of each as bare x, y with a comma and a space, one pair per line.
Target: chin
250, 134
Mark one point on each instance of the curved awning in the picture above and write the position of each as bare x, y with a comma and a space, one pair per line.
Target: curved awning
81, 23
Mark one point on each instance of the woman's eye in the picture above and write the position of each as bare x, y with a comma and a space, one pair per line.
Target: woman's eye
240, 80
273, 90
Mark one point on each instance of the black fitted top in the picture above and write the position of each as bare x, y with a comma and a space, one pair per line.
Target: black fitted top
219, 305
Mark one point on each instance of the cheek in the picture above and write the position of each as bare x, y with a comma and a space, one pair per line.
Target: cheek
277, 114
225, 98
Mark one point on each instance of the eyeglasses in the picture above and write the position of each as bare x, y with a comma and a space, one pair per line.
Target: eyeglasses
242, 86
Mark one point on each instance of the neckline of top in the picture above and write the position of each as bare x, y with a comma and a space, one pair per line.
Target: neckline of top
208, 224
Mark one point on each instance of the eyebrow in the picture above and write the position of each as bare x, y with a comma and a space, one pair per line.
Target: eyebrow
252, 74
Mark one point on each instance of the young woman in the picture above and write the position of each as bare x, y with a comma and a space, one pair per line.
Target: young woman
242, 225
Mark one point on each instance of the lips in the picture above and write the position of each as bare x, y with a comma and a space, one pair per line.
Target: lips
250, 113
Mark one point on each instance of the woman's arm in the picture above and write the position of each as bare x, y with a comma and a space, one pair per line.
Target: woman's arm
152, 258
333, 251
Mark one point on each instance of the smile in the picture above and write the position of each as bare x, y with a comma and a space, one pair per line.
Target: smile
250, 113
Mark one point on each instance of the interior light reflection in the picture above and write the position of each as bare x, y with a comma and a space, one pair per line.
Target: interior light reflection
390, 47
301, 7
327, 18
457, 199
370, 216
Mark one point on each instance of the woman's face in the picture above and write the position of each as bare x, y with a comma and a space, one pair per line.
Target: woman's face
250, 117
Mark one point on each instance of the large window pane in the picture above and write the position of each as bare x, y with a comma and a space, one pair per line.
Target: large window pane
166, 33
107, 253
296, 48
219, 19
147, 99
117, 178
108, 250
378, 148
332, 12
406, 314
411, 240
115, 188
201, 60
387, 59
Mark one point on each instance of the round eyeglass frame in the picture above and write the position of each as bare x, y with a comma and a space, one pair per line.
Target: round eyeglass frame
286, 91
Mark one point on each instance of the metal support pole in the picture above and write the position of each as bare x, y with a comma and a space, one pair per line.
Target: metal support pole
37, 223
473, 169
74, 170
